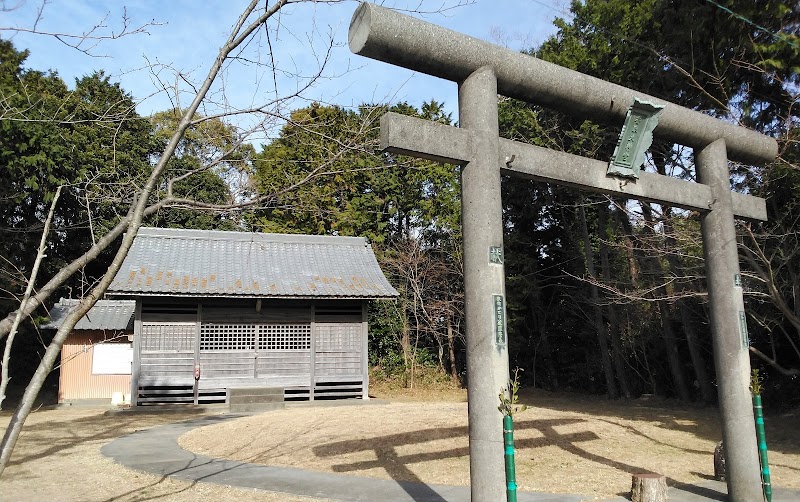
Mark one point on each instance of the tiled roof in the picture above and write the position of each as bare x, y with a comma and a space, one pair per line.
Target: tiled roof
106, 314
177, 262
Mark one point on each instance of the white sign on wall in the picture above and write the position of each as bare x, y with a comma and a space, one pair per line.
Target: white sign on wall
112, 359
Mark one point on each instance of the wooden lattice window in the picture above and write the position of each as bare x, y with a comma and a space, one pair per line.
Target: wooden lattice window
227, 337
284, 337
168, 336
337, 337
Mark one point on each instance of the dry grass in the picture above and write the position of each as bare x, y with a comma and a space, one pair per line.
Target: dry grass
569, 444
58, 459
564, 444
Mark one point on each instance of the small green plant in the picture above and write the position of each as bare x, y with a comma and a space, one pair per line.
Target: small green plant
756, 382
509, 397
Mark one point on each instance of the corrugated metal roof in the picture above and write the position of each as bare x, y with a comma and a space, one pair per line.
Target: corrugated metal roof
105, 314
177, 262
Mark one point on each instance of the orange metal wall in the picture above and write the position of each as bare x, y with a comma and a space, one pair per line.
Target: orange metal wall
77, 381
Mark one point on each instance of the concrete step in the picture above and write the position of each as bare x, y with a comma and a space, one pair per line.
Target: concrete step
254, 399
266, 392
254, 407
247, 399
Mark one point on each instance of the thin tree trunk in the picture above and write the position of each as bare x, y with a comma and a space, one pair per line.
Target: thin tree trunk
40, 255
673, 356
651, 378
540, 328
674, 267
600, 326
451, 349
439, 351
405, 347
707, 392
547, 350
634, 267
667, 333
621, 218
611, 311
240, 33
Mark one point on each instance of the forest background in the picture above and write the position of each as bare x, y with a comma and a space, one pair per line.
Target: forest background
605, 295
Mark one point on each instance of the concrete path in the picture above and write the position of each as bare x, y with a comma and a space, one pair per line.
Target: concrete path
156, 451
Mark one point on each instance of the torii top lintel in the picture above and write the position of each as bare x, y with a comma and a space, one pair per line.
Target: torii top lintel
389, 36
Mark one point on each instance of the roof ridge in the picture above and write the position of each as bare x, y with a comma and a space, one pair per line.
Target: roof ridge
71, 302
228, 235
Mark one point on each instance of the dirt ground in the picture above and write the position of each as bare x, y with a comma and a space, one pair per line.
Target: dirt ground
568, 444
564, 444
58, 459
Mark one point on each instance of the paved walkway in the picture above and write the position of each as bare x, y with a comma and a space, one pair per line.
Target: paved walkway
156, 451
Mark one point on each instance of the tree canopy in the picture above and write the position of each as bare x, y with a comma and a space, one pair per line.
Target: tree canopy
355, 190
90, 140
408, 208
605, 295
645, 300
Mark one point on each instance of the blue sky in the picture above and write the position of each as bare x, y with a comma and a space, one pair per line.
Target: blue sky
188, 34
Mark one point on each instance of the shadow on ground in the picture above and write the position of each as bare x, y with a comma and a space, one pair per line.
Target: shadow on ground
52, 437
702, 421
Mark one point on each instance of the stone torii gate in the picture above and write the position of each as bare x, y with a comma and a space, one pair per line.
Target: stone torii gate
483, 70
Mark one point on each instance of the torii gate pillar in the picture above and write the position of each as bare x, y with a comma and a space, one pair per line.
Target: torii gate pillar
481, 71
730, 340
482, 228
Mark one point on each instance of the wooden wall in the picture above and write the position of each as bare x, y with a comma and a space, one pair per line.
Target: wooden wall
298, 345
77, 381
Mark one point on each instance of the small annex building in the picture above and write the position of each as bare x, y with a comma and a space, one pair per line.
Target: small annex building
216, 310
97, 357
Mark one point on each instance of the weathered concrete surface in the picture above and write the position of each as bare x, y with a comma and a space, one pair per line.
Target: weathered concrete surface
398, 39
731, 351
156, 451
255, 399
482, 225
441, 143
395, 38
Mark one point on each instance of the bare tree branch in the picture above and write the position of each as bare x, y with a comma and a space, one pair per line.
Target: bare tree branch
87, 41
40, 255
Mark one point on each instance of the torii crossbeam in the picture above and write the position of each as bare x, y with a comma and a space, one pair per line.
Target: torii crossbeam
481, 71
